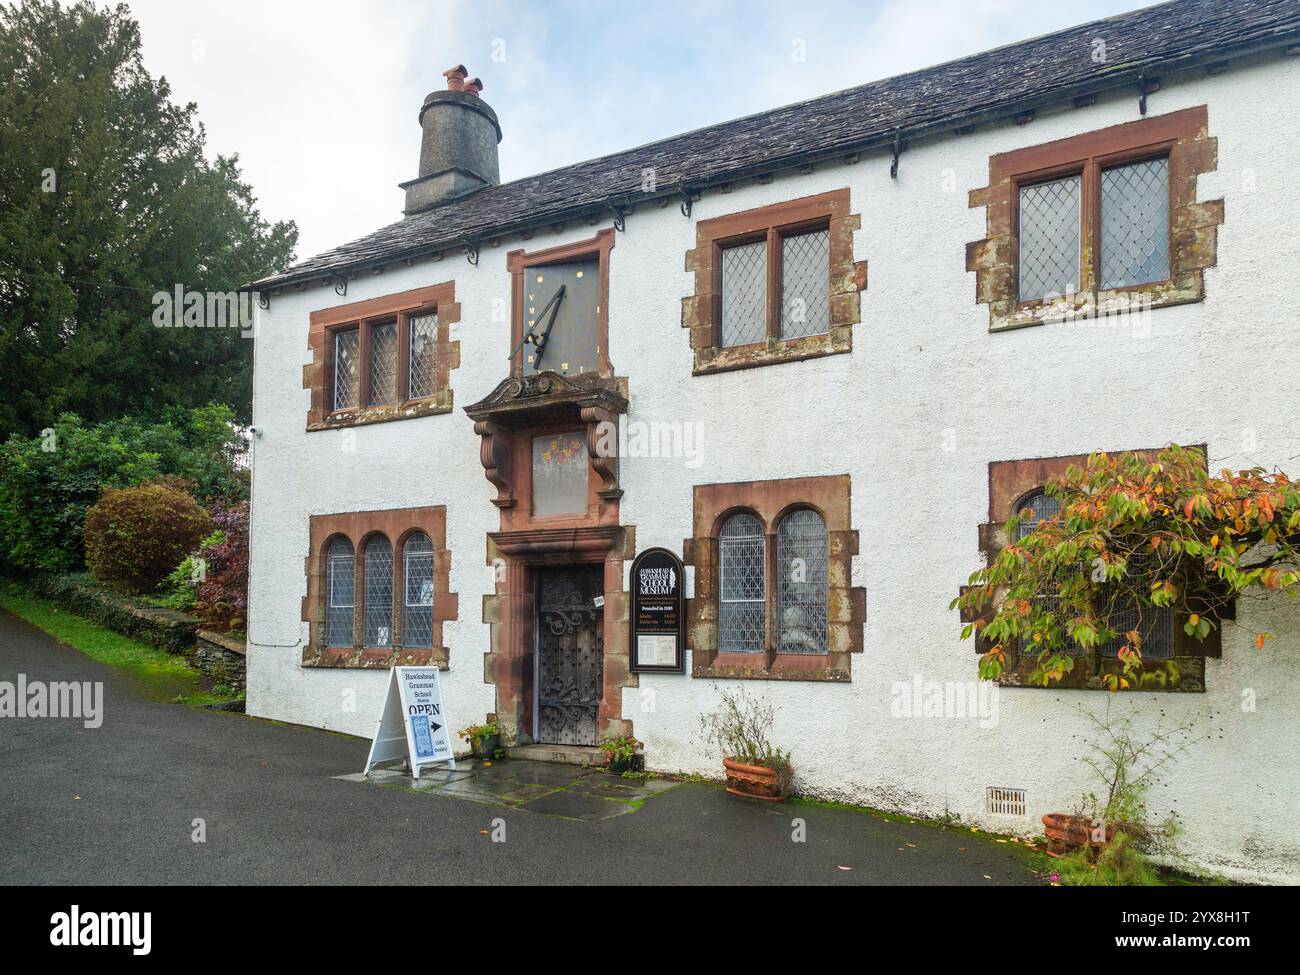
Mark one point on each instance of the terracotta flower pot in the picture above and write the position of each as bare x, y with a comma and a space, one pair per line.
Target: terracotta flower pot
1067, 833
754, 781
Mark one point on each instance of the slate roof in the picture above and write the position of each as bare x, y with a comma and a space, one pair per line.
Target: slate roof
995, 84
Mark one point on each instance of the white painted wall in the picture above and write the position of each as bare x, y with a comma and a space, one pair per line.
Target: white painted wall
923, 363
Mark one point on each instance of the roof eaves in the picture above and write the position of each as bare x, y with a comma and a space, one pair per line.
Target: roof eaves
1129, 75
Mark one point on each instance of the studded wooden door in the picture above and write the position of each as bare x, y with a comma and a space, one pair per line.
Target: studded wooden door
570, 654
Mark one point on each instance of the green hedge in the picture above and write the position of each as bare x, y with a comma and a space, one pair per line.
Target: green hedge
48, 482
162, 628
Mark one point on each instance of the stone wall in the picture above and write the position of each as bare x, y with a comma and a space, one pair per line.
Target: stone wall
220, 658
166, 629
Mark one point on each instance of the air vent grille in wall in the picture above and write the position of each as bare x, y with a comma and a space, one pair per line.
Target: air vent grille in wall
1005, 802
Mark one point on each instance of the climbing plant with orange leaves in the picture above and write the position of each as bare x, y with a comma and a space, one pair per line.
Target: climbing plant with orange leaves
1137, 534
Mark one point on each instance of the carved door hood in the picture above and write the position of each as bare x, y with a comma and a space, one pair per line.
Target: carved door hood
520, 402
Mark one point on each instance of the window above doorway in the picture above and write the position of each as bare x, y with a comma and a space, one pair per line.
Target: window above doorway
560, 319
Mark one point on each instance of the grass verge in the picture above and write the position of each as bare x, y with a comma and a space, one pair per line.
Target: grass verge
161, 675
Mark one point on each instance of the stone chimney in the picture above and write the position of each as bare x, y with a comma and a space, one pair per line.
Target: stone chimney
458, 152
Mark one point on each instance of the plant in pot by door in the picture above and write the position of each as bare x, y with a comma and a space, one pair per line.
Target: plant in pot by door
484, 740
622, 754
741, 731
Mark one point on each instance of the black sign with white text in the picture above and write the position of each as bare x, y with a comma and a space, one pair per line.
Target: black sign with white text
658, 618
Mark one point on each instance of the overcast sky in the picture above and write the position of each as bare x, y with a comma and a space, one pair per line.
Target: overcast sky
319, 99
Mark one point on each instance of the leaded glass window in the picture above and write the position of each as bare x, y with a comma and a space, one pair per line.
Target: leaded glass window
424, 344
1050, 238
742, 615
1155, 624
378, 606
1135, 223
744, 293
347, 368
801, 559
383, 364
1035, 508
417, 584
805, 284
340, 574
1039, 507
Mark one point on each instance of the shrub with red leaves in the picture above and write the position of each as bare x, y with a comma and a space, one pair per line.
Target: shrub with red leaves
221, 599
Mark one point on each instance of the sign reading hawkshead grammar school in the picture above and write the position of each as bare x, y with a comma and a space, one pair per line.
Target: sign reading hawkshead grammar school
658, 618
413, 723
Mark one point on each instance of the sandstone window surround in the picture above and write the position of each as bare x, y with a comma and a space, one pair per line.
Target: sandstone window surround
382, 359
780, 624
1080, 227
1173, 661
759, 297
377, 589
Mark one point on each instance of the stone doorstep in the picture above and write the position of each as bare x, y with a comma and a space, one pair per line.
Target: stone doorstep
561, 754
584, 794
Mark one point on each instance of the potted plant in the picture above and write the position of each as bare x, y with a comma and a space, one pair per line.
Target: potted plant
1127, 763
1067, 832
740, 730
621, 753
484, 740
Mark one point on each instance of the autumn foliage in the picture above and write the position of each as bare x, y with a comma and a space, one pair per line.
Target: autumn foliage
1134, 533
221, 600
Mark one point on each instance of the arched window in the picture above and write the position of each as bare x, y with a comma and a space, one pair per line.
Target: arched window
417, 583
742, 616
1039, 506
378, 605
801, 557
340, 575
1034, 509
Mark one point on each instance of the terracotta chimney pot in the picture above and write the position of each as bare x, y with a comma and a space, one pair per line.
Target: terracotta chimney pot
473, 86
456, 77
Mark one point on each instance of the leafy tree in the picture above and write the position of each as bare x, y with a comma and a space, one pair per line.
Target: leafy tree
1135, 533
106, 197
48, 482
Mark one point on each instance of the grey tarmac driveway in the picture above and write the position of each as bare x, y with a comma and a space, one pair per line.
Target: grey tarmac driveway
114, 805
